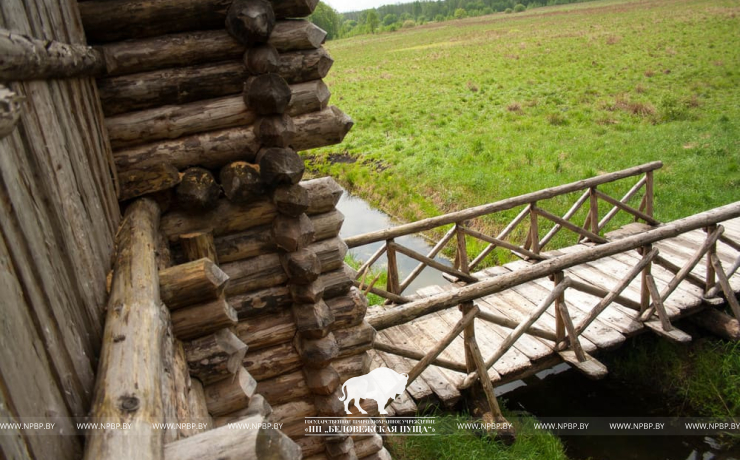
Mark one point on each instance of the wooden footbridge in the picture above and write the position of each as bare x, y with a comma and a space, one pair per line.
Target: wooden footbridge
547, 306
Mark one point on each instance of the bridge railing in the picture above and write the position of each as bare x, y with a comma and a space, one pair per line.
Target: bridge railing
533, 213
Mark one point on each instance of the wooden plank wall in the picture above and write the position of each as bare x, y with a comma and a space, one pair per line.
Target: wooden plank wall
58, 216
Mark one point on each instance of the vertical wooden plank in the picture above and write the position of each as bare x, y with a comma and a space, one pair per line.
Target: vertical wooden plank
594, 211
462, 249
29, 387
534, 231
644, 289
649, 194
393, 282
559, 303
711, 278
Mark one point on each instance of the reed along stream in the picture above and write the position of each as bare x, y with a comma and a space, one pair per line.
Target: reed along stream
560, 391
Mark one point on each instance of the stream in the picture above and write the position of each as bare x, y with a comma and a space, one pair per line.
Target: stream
556, 392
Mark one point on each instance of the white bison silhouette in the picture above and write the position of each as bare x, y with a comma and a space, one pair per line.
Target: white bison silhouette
380, 384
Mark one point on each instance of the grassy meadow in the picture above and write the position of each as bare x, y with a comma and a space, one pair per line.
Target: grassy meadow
461, 113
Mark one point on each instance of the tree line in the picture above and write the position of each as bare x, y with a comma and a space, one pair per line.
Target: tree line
389, 18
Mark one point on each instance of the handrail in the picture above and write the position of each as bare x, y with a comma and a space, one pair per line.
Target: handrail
418, 308
509, 203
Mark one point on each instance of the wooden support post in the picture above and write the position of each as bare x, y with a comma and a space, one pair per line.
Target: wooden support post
534, 232
644, 290
393, 282
507, 434
729, 274
649, 194
594, 211
462, 248
468, 334
726, 287
134, 331
559, 301
711, 279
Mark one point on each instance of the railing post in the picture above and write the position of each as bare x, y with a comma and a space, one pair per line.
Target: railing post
594, 211
711, 273
644, 290
462, 249
534, 230
557, 278
468, 335
649, 194
393, 282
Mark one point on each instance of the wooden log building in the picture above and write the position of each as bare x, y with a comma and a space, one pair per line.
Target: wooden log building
161, 259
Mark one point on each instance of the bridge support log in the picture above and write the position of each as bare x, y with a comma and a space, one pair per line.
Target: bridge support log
718, 323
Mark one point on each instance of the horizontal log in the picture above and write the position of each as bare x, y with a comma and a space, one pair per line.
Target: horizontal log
283, 388
227, 443
271, 301
198, 245
113, 20
258, 405
151, 179
412, 310
215, 149
267, 330
270, 362
191, 283
134, 333
250, 21
503, 205
181, 85
173, 121
418, 356
267, 271
230, 394
199, 320
317, 352
355, 340
322, 381
201, 47
216, 356
26, 58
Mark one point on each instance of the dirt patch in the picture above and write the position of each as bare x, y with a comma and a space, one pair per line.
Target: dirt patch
341, 158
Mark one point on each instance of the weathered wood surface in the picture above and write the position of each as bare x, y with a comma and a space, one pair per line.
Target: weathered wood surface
106, 20
151, 179
191, 283
58, 216
227, 443
128, 386
535, 351
27, 58
228, 218
182, 85
173, 121
201, 47
215, 149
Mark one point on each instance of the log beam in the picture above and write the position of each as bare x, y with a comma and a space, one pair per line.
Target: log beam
215, 149
134, 333
192, 283
26, 58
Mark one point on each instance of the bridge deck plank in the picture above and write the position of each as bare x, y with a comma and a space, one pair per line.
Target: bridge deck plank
404, 404
419, 389
443, 382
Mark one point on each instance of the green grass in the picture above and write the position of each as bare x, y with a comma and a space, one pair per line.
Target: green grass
461, 113
703, 379
464, 444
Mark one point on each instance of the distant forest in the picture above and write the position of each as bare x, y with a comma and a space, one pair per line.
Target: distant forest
389, 18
